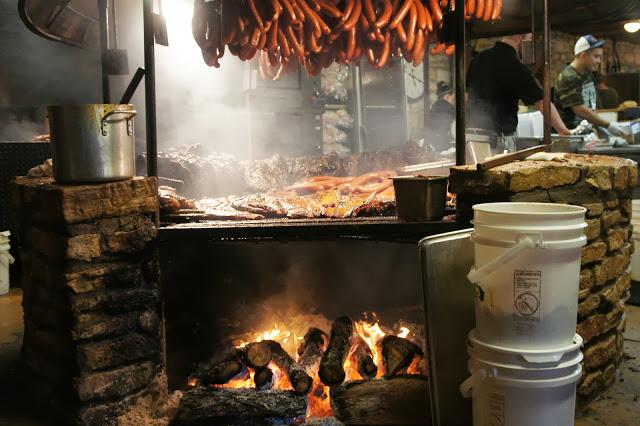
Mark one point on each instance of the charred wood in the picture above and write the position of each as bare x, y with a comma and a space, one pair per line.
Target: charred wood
363, 358
314, 336
255, 355
237, 406
219, 371
397, 354
401, 400
332, 364
263, 378
299, 379
311, 349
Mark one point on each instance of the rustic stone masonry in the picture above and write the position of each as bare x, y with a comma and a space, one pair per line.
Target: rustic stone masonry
603, 186
93, 339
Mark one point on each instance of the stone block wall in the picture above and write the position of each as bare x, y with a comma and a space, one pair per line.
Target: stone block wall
93, 340
603, 186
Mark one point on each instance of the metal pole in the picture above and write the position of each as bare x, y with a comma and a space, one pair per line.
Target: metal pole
357, 122
150, 88
547, 77
460, 83
103, 12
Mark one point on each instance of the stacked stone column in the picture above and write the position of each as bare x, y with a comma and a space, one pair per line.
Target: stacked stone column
603, 186
92, 342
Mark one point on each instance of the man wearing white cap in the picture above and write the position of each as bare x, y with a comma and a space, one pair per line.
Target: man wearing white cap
575, 95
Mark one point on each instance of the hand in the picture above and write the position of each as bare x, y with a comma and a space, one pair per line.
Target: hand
615, 129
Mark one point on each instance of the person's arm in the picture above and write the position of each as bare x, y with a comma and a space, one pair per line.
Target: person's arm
590, 115
556, 121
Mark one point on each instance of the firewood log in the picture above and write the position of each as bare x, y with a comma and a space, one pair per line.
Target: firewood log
332, 364
255, 355
237, 406
316, 336
218, 371
401, 400
299, 379
397, 354
363, 358
311, 349
263, 378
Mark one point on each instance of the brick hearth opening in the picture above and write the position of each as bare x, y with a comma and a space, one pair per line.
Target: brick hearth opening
603, 186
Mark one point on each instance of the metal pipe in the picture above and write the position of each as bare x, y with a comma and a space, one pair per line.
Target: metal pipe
460, 84
426, 96
115, 23
103, 12
150, 88
547, 77
357, 122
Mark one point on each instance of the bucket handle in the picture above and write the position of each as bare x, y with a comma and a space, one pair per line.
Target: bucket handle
5, 256
466, 387
130, 114
523, 242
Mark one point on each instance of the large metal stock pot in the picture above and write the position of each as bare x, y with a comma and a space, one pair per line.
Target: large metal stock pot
92, 143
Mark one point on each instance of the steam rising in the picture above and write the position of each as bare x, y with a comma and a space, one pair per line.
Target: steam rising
195, 103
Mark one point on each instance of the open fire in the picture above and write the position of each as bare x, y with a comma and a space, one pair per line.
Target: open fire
315, 363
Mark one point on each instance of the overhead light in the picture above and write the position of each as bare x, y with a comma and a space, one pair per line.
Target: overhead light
632, 27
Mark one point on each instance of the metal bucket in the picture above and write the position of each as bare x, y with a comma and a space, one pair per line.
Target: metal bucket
420, 198
92, 143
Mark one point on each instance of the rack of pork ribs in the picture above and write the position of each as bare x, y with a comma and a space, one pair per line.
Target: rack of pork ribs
368, 195
395, 397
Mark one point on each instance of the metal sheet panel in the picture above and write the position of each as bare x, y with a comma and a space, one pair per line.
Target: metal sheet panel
445, 260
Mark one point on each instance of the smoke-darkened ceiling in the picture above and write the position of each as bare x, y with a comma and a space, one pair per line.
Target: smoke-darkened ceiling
76, 21
598, 17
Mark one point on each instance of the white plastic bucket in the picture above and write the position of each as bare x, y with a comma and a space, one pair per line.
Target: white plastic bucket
515, 395
635, 256
5, 260
527, 359
527, 272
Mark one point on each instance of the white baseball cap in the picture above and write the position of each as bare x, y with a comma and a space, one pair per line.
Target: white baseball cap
585, 43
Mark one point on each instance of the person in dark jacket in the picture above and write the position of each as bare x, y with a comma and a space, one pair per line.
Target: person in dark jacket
496, 82
443, 113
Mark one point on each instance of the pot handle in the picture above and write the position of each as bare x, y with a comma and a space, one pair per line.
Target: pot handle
131, 114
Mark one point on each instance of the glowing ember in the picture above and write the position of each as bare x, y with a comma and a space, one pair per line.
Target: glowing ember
404, 332
319, 402
372, 334
242, 380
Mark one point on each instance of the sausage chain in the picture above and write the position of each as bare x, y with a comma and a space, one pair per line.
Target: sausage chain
316, 33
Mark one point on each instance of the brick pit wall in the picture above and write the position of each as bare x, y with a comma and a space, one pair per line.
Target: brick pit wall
603, 186
93, 340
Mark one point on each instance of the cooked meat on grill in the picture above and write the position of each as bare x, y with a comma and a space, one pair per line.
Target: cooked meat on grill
266, 204
171, 202
221, 209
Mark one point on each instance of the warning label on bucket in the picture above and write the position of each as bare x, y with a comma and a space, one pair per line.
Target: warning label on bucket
526, 295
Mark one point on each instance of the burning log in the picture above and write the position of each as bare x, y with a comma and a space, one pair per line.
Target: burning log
255, 355
263, 378
401, 400
398, 353
332, 364
299, 379
236, 406
218, 372
363, 358
311, 349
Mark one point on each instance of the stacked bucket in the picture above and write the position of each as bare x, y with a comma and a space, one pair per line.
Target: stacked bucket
524, 354
635, 257
5, 260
